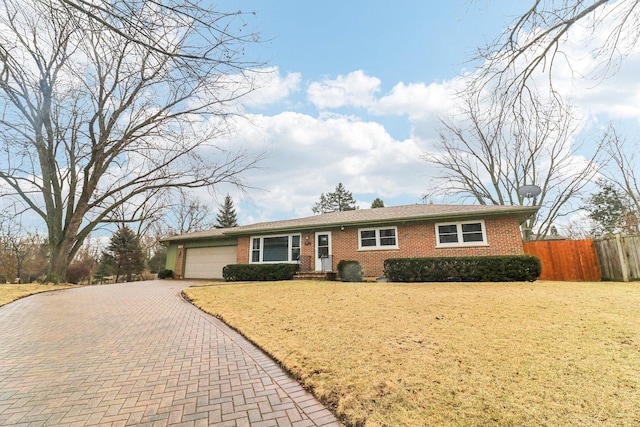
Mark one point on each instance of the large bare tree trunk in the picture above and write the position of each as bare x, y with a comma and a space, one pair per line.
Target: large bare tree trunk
58, 263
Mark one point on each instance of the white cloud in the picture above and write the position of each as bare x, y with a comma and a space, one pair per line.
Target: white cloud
310, 155
271, 87
616, 97
254, 88
355, 89
589, 72
418, 100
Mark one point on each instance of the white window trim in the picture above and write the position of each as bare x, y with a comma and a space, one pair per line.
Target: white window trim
460, 242
377, 247
260, 261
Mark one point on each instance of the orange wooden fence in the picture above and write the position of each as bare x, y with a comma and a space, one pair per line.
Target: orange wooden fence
568, 260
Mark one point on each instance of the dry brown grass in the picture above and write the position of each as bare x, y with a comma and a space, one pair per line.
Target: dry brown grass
10, 293
544, 353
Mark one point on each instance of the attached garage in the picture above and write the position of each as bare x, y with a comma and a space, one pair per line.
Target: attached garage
207, 263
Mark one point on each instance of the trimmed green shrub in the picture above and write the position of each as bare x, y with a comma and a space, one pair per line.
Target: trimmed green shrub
165, 274
349, 271
259, 272
507, 268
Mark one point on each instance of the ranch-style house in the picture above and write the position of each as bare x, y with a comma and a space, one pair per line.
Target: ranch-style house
368, 236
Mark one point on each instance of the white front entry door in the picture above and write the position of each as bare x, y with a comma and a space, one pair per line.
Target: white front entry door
323, 251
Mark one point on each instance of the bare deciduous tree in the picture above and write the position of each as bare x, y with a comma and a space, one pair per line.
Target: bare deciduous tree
141, 214
167, 214
20, 251
95, 118
487, 153
536, 41
188, 214
122, 18
622, 170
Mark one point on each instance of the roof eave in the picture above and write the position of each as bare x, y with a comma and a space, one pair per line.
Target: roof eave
521, 212
181, 238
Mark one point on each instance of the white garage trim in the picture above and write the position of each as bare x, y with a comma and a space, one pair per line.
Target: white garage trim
207, 263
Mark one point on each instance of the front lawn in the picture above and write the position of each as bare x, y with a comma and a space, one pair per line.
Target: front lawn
9, 293
542, 353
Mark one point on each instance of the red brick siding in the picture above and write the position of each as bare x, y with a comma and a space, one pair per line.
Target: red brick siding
308, 247
244, 243
179, 262
419, 240
414, 240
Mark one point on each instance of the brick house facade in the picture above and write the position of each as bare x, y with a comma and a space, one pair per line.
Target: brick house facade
368, 236
414, 240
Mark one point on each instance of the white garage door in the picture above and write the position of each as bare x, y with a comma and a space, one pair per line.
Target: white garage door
207, 263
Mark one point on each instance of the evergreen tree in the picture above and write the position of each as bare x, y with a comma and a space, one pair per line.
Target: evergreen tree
124, 254
612, 211
158, 261
338, 201
226, 217
377, 203
105, 268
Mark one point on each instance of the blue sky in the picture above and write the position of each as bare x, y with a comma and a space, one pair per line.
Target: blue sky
353, 92
400, 41
359, 89
395, 41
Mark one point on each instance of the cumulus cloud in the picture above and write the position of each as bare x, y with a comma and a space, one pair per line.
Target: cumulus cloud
355, 89
310, 155
418, 100
271, 86
616, 97
252, 89
593, 71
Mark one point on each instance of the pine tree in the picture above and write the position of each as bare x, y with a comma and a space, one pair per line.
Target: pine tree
377, 203
105, 268
226, 217
338, 201
124, 254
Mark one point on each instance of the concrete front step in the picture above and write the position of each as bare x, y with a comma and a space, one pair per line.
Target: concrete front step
316, 275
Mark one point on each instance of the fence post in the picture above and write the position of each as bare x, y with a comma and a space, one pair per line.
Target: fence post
623, 260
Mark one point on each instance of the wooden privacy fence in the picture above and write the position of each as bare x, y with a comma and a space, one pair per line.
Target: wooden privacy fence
568, 260
619, 257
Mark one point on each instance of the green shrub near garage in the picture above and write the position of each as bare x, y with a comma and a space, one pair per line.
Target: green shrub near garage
165, 274
259, 272
507, 268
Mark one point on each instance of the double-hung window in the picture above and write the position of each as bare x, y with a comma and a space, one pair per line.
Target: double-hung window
378, 238
468, 233
285, 248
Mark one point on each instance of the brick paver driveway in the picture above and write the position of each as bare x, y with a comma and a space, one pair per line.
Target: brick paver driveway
136, 353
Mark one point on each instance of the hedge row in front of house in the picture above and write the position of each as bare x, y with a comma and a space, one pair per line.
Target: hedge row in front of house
259, 272
508, 268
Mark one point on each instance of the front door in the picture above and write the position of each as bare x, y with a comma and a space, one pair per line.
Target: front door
324, 259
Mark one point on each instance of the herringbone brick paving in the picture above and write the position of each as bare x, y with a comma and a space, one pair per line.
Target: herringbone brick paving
137, 354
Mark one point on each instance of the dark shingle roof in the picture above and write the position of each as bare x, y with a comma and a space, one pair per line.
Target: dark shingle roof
387, 215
